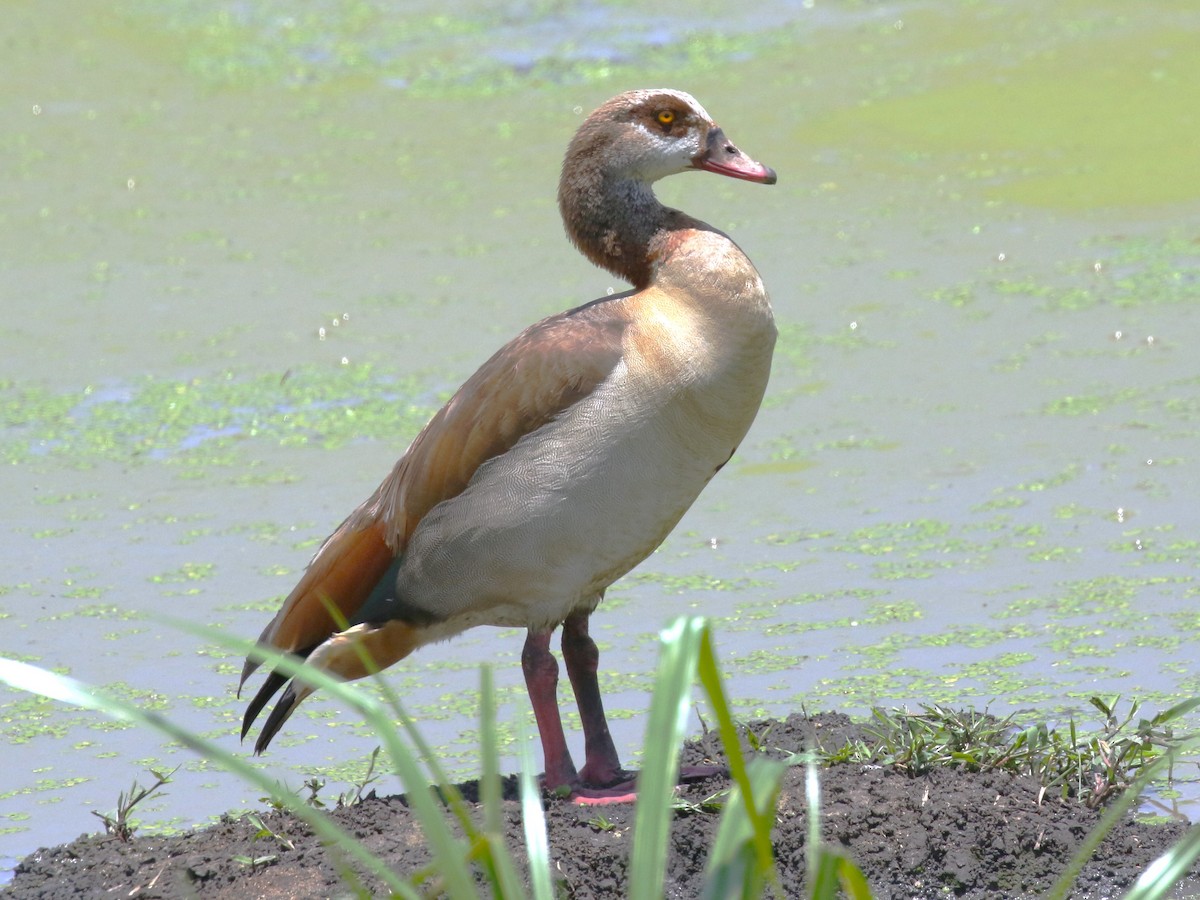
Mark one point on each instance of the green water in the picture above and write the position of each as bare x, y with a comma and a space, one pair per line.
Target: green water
249, 249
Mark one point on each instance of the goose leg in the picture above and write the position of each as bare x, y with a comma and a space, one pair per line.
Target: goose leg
602, 767
541, 680
603, 779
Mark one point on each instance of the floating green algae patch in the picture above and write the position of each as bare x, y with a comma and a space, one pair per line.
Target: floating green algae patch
178, 421
1103, 114
481, 50
1123, 272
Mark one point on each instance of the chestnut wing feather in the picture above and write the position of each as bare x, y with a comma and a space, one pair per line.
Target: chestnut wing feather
541, 372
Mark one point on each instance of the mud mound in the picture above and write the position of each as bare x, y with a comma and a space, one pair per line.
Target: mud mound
948, 834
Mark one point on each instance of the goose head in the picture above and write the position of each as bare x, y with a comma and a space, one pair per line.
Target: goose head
646, 135
605, 195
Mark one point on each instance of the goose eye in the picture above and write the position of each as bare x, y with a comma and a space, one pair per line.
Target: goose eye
666, 116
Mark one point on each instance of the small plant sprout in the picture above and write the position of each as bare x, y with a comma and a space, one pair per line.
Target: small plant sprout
255, 862
265, 831
314, 786
120, 825
601, 823
348, 798
713, 803
757, 741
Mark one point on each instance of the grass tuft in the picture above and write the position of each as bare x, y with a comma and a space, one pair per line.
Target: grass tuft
1094, 767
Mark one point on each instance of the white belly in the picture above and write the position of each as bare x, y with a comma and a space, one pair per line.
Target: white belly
547, 526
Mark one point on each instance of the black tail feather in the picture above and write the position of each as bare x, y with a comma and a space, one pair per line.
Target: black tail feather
279, 714
274, 682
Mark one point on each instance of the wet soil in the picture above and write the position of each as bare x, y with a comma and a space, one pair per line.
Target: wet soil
950, 833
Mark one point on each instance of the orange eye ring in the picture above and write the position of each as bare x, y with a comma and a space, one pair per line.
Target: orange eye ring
666, 116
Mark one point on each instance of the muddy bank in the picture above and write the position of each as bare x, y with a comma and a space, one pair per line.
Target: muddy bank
950, 833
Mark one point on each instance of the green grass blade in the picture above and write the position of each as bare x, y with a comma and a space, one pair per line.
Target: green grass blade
67, 690
732, 869
761, 818
1179, 709
830, 872
1164, 873
835, 875
669, 705
812, 845
533, 823
449, 851
437, 775
501, 869
823, 883
489, 780
1113, 814
854, 883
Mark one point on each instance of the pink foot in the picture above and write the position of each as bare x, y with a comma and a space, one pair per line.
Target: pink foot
621, 788
625, 791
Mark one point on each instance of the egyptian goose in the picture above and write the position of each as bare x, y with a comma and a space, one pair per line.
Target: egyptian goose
569, 456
